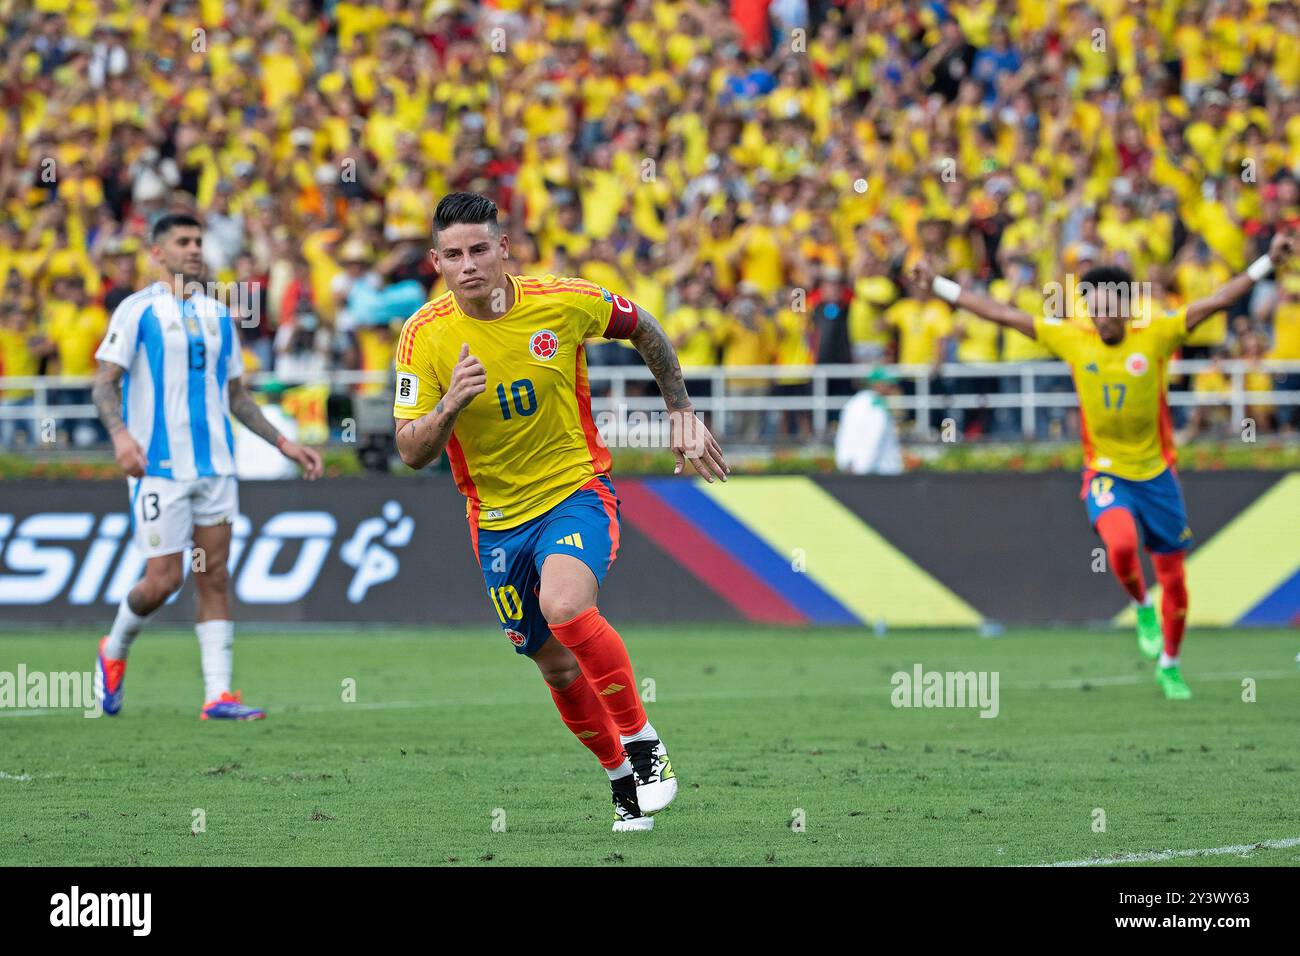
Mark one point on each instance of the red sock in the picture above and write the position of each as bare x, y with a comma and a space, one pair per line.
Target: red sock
605, 664
1173, 598
1119, 534
582, 713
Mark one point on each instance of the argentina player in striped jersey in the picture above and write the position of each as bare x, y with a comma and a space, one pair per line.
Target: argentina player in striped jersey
170, 376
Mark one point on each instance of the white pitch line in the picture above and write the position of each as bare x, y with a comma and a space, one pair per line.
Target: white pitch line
1075, 683
1160, 856
14, 776
291, 709
1062, 684
1071, 683
45, 712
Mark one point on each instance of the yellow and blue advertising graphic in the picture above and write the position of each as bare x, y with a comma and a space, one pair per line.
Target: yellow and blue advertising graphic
1249, 572
784, 550
798, 550
924, 550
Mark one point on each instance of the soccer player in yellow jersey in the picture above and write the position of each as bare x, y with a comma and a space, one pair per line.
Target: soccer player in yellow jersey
493, 372
1118, 362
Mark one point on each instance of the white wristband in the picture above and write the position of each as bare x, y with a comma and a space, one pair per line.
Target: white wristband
946, 289
1260, 268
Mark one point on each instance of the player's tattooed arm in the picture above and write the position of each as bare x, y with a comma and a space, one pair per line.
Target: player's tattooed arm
244, 407
106, 393
691, 439
660, 358
422, 440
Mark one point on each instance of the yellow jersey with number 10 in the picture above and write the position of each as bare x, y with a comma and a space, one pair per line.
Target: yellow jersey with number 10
529, 441
1125, 424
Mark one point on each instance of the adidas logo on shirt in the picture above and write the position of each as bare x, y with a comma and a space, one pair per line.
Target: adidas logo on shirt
573, 540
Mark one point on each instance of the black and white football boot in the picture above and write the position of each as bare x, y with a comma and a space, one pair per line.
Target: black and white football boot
627, 812
656, 784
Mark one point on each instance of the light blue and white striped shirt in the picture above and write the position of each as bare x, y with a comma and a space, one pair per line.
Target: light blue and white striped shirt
178, 359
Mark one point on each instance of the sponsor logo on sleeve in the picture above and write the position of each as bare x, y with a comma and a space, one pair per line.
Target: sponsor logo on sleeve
408, 388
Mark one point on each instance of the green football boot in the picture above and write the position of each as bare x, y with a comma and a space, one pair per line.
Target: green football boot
1172, 684
1150, 639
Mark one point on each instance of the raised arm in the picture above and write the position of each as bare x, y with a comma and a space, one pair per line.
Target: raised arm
421, 440
925, 280
690, 438
1279, 251
244, 407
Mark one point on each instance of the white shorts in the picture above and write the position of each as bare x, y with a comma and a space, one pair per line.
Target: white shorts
164, 512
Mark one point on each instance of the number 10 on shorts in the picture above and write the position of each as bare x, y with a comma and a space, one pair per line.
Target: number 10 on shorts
506, 600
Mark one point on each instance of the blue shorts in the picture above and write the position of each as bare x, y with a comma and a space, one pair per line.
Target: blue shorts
1155, 504
584, 525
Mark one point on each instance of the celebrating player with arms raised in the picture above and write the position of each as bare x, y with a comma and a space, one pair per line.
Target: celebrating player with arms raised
1118, 364
543, 515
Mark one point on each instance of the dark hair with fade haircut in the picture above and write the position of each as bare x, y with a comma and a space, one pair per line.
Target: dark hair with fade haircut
1106, 275
173, 220
470, 208
1114, 278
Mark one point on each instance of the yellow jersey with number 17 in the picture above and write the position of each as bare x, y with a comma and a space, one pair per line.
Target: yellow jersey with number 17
529, 441
1125, 424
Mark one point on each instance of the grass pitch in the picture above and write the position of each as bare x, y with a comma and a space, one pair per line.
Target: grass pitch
450, 734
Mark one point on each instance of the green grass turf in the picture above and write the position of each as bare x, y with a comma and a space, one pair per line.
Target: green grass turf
449, 727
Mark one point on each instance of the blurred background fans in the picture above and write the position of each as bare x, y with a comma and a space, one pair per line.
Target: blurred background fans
698, 157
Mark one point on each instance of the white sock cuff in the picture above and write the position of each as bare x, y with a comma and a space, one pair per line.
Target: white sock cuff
622, 770
645, 733
126, 627
215, 630
129, 618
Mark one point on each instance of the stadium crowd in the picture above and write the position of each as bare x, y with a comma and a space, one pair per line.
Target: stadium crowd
760, 175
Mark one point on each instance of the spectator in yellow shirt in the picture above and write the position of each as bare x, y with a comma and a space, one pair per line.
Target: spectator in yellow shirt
747, 338
1208, 386
977, 343
694, 327
76, 327
1257, 380
1286, 346
761, 254
1198, 274
281, 75
19, 356
922, 327
1021, 288
793, 348
923, 330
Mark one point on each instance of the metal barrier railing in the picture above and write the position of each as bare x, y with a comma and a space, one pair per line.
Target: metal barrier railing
610, 390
